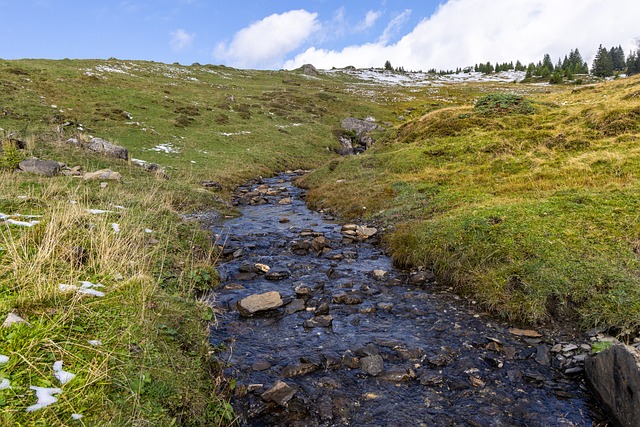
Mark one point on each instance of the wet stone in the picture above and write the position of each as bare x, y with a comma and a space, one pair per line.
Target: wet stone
431, 379
347, 298
421, 277
322, 321
259, 302
261, 365
295, 306
372, 365
277, 274
280, 393
297, 370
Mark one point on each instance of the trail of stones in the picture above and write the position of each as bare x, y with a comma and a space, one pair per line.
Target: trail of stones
319, 329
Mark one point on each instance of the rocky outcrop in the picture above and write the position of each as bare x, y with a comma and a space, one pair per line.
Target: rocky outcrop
101, 146
309, 70
355, 135
614, 377
40, 167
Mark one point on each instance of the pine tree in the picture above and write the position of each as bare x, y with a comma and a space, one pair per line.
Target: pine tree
602, 64
388, 66
547, 63
617, 57
633, 63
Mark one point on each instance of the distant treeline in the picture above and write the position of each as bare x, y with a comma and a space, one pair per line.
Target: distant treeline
607, 63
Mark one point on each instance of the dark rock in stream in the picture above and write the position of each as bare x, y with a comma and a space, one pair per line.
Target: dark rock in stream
361, 343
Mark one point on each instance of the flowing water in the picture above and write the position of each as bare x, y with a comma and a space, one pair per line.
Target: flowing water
353, 347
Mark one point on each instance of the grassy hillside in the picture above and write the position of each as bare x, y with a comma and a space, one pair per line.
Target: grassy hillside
535, 215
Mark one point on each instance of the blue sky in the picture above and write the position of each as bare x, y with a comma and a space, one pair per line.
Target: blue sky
272, 34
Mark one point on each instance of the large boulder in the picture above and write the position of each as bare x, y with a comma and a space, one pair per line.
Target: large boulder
360, 127
309, 70
99, 145
40, 167
355, 136
614, 377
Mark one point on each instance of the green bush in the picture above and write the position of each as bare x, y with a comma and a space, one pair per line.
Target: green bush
502, 104
10, 155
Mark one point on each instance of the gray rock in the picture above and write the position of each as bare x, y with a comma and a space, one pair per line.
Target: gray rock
542, 355
347, 298
298, 370
309, 70
379, 274
259, 302
103, 174
295, 306
101, 146
277, 274
421, 277
323, 321
74, 142
360, 127
431, 378
614, 377
372, 365
40, 167
281, 393
13, 319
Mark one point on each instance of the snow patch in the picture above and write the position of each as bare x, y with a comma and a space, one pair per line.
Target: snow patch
242, 132
5, 384
166, 148
98, 211
3, 359
45, 397
62, 376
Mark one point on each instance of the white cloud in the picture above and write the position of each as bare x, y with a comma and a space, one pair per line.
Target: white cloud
369, 21
394, 26
465, 32
181, 40
264, 44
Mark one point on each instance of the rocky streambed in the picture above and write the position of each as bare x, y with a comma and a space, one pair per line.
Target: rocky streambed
319, 329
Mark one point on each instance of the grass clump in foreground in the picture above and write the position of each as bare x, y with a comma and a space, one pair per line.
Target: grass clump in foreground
535, 215
153, 364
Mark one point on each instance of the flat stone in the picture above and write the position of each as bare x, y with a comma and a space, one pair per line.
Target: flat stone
323, 321
298, 370
13, 319
421, 277
525, 333
285, 201
261, 365
259, 302
281, 393
263, 267
277, 274
295, 306
614, 377
372, 365
103, 174
431, 379
40, 167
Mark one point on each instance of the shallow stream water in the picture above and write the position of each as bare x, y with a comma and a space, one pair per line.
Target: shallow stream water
354, 347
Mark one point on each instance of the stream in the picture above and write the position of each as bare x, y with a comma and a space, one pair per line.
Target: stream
350, 340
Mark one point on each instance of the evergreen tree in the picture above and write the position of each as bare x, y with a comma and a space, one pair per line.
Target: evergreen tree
519, 66
547, 63
530, 71
602, 64
617, 58
633, 63
388, 66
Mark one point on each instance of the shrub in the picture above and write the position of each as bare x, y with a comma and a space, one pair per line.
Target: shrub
501, 104
10, 155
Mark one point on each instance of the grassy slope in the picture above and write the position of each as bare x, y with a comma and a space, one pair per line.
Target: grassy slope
528, 213
154, 367
534, 215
